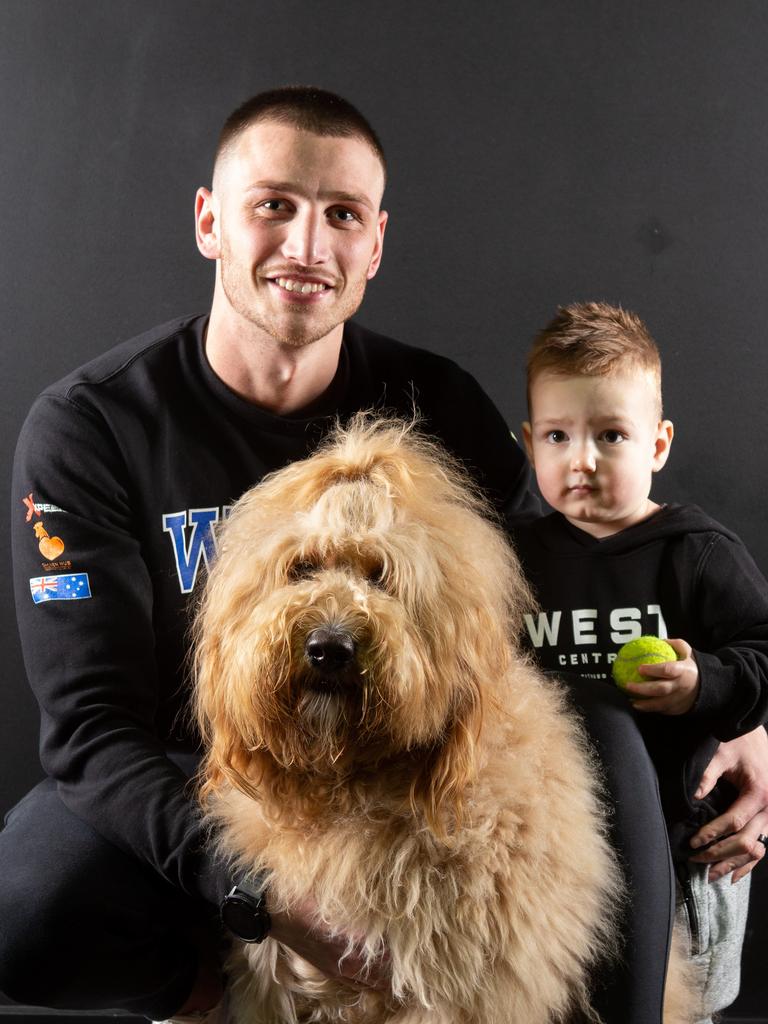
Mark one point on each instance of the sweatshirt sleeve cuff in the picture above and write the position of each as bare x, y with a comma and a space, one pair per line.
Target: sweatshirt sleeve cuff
714, 705
215, 878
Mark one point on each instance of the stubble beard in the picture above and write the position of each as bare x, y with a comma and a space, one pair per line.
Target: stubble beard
301, 326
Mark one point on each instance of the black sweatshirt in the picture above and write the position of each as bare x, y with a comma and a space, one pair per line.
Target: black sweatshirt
122, 470
678, 574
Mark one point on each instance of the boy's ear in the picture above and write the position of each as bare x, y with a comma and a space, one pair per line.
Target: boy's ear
527, 440
664, 434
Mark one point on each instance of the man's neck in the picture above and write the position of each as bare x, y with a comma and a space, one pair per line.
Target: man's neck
277, 377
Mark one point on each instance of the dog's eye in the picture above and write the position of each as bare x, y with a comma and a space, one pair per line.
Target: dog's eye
376, 574
301, 569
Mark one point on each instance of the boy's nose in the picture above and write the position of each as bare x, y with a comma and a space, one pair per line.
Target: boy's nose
583, 459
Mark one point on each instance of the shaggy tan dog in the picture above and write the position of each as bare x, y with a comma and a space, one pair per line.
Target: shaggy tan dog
376, 742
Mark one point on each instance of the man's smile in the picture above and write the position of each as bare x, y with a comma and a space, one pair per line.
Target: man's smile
291, 284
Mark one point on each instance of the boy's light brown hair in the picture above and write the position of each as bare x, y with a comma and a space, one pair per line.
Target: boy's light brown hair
594, 339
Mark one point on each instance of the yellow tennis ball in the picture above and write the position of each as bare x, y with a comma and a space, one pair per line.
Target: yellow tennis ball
646, 650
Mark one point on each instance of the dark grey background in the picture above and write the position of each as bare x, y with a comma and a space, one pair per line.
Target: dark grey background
540, 153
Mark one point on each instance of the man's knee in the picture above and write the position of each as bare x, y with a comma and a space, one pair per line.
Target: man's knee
52, 955
28, 943
82, 925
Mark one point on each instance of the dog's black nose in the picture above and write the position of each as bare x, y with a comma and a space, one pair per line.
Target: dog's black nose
329, 649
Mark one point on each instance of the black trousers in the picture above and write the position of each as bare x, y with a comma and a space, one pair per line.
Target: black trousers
631, 991
84, 926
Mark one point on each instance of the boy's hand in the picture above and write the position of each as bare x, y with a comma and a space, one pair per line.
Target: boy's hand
673, 685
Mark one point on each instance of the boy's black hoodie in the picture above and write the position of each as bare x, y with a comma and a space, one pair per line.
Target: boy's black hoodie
678, 574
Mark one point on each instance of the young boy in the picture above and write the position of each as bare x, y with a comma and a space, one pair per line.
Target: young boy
610, 564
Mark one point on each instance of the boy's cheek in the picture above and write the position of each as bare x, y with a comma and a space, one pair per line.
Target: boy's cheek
548, 473
549, 487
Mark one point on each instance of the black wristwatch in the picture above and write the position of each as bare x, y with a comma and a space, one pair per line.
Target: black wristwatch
244, 911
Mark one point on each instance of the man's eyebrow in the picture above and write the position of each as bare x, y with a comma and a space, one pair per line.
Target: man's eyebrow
290, 186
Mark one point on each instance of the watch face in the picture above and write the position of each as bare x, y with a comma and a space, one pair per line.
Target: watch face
244, 917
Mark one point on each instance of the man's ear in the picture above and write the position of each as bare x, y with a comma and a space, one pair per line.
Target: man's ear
528, 440
206, 224
378, 248
664, 434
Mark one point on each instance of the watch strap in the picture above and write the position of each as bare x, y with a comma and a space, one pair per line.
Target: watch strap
253, 886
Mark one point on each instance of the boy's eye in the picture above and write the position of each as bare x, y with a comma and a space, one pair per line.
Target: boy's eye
612, 436
556, 436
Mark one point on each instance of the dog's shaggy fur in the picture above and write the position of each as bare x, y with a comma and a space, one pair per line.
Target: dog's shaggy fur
375, 741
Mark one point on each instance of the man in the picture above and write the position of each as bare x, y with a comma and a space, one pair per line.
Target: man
122, 471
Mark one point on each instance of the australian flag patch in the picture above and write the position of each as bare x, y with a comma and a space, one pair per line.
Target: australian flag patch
67, 587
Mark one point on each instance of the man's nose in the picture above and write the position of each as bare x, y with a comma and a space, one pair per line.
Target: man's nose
306, 239
583, 459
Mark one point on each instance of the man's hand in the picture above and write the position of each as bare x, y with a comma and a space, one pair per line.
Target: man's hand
744, 763
329, 952
673, 685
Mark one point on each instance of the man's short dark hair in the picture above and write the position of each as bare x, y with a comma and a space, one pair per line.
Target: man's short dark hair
305, 107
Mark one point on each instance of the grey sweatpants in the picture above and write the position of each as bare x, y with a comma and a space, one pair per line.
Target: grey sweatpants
713, 918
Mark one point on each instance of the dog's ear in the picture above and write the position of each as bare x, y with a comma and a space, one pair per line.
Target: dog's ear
475, 668
226, 756
450, 766
232, 712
